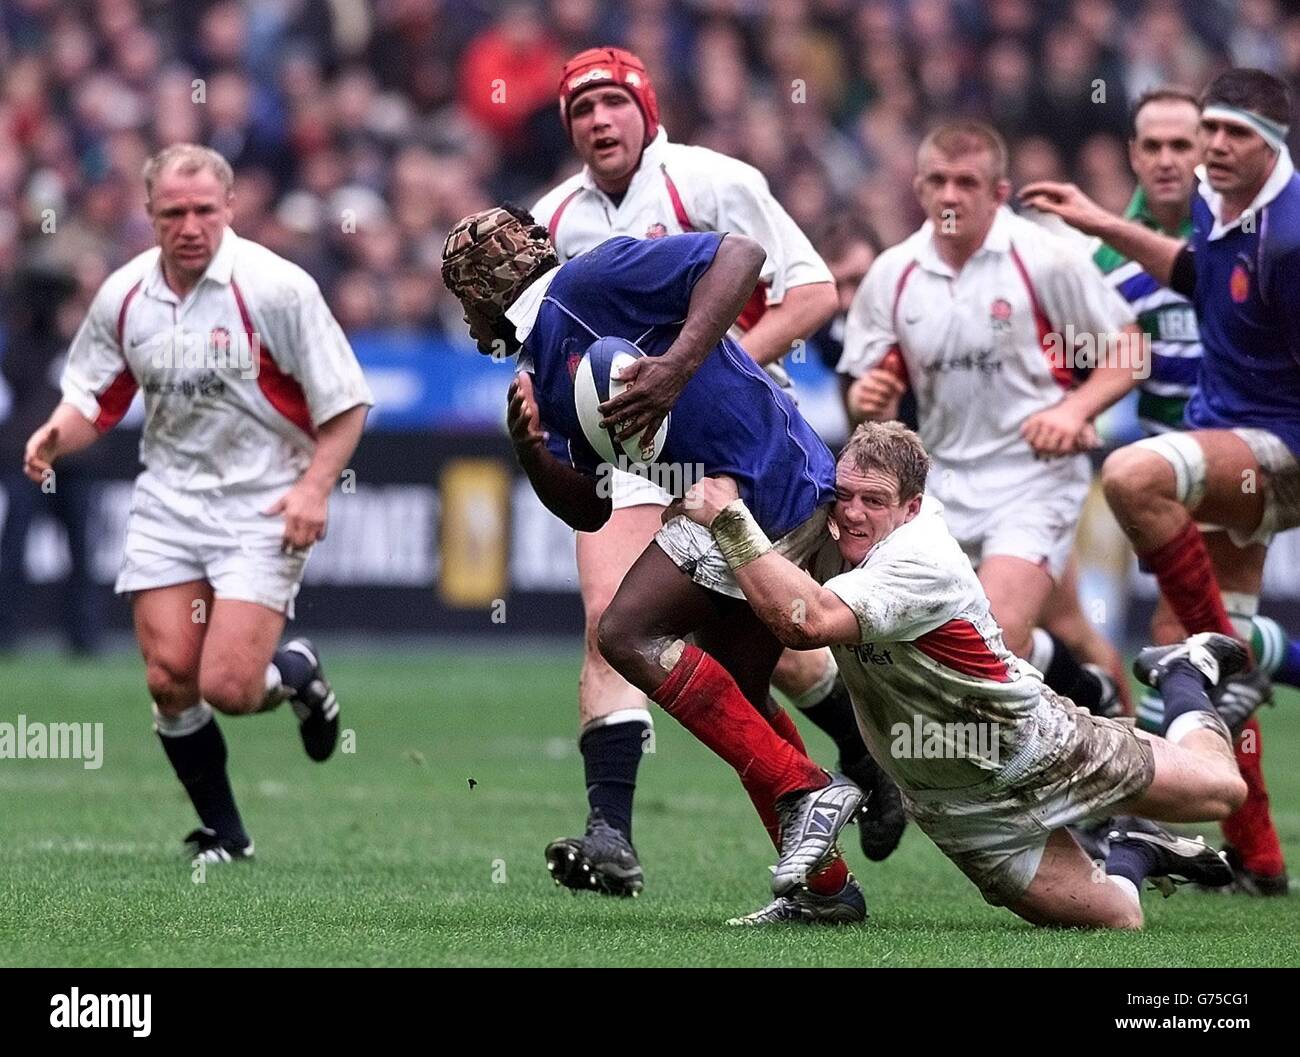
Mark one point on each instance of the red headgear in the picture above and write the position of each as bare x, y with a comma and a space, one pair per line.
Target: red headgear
610, 66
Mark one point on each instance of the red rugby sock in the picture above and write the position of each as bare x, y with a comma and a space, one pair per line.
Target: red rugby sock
1183, 569
1250, 829
703, 697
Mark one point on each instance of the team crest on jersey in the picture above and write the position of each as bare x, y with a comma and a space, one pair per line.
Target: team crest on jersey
1000, 314
219, 341
1239, 283
656, 231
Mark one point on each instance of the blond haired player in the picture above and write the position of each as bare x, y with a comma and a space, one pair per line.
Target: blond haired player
992, 763
254, 402
636, 182
980, 311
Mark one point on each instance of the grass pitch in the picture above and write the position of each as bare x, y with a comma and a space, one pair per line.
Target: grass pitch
389, 856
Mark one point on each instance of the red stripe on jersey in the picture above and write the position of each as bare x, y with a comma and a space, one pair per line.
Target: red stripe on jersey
554, 225
957, 645
121, 312
281, 390
1060, 372
679, 210
898, 295
754, 307
115, 399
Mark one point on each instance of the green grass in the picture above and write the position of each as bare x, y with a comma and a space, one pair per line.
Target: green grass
386, 856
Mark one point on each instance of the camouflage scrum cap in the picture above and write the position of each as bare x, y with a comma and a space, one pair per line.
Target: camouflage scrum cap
489, 256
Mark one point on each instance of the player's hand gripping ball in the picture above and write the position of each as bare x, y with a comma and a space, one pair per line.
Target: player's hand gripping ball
621, 423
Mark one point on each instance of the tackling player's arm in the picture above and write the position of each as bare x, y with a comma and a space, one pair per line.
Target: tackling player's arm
1155, 251
572, 496
716, 300
801, 613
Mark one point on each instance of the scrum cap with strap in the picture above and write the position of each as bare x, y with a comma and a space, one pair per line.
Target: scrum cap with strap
490, 256
609, 66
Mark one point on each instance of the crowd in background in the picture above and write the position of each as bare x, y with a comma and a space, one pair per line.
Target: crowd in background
361, 129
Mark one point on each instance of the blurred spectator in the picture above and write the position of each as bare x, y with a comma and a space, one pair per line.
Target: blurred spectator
433, 108
43, 314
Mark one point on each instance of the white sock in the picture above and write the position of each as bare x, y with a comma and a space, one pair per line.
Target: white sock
178, 726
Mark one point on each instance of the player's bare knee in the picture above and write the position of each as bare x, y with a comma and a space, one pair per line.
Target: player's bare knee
617, 640
231, 693
170, 686
1131, 477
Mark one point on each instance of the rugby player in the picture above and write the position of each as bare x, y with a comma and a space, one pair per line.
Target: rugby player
637, 182
1235, 465
1164, 151
975, 312
254, 402
993, 765
675, 298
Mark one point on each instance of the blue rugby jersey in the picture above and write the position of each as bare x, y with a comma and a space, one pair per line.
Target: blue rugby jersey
1247, 298
729, 419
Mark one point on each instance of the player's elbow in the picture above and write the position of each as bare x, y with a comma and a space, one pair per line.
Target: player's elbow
802, 631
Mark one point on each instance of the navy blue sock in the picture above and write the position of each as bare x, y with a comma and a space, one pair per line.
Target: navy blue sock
833, 714
295, 669
199, 760
1134, 860
610, 756
1183, 689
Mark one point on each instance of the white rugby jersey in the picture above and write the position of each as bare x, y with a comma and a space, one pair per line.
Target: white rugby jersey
931, 661
236, 376
679, 188
976, 343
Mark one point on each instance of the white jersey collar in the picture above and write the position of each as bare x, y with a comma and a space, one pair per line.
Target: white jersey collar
998, 240
220, 269
1282, 172
523, 313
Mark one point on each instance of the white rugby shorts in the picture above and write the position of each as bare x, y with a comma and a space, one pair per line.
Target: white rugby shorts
220, 536
1016, 505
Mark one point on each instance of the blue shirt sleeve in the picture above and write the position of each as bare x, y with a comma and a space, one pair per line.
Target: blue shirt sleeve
647, 280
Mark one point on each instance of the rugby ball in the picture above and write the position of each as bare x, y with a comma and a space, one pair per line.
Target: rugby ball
597, 380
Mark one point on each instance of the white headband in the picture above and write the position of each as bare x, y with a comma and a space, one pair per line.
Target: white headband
1273, 133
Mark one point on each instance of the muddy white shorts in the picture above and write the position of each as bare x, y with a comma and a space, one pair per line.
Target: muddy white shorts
996, 832
694, 552
219, 535
1015, 505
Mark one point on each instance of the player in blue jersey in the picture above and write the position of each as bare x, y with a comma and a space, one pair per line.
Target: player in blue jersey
1237, 465
675, 298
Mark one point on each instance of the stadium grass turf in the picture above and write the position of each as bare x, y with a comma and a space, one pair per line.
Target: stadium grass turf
387, 856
